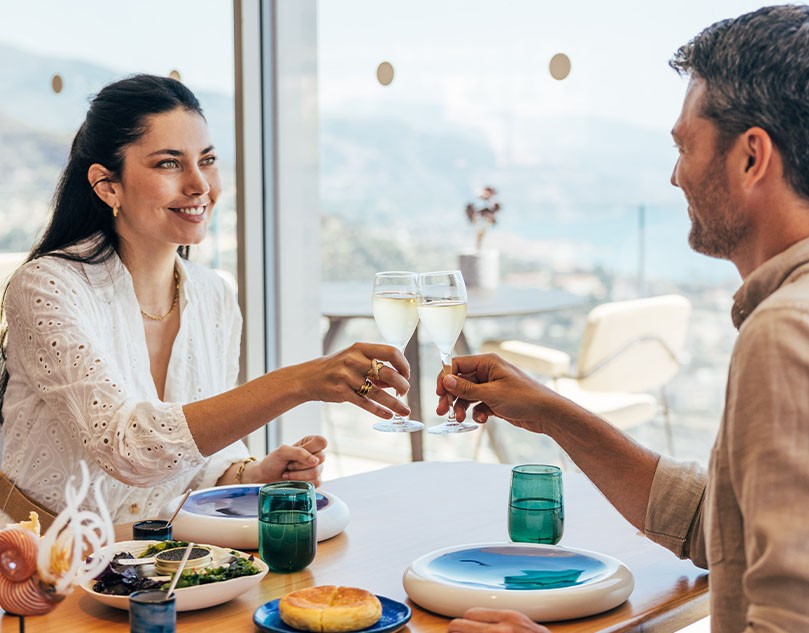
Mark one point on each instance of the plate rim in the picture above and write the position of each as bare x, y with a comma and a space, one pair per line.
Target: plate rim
419, 567
383, 599
175, 500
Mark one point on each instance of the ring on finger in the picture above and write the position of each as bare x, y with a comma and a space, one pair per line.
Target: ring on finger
373, 373
365, 389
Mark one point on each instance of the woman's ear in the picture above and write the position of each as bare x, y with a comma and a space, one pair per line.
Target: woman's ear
101, 181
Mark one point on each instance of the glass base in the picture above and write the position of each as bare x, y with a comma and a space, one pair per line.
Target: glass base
402, 425
453, 427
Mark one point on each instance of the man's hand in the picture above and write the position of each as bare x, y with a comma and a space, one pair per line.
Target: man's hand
479, 620
499, 388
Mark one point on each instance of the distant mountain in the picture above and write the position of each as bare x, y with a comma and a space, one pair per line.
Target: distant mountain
25, 82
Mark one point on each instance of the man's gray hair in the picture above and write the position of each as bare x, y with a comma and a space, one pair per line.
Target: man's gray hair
756, 73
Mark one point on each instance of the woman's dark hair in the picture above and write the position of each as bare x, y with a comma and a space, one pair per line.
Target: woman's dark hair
117, 118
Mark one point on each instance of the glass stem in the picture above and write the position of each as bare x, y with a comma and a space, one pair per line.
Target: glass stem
398, 418
446, 363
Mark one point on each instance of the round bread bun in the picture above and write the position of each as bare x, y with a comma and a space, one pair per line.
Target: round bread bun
330, 609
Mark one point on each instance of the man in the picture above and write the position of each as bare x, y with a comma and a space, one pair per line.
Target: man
743, 138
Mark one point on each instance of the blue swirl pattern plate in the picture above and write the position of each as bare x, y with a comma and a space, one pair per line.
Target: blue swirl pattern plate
228, 516
545, 582
394, 616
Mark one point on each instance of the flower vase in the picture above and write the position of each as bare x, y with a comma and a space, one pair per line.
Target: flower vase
480, 269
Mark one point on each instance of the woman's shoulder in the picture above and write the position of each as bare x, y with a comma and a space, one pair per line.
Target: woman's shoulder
47, 267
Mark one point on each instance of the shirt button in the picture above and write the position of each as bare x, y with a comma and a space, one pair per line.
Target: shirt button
134, 508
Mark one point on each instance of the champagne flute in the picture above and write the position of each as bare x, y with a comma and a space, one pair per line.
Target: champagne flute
395, 297
442, 309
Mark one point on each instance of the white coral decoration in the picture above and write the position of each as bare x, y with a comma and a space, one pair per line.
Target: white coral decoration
73, 534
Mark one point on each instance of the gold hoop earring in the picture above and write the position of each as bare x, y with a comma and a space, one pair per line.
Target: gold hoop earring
115, 211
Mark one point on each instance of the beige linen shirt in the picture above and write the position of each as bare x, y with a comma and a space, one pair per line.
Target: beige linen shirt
80, 384
748, 519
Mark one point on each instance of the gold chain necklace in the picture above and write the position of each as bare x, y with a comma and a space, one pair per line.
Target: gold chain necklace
173, 303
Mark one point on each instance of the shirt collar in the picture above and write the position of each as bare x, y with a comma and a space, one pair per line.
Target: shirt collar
766, 279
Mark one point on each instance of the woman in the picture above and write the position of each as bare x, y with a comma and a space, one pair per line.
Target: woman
116, 346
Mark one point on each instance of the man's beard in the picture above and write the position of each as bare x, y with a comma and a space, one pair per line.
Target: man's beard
716, 227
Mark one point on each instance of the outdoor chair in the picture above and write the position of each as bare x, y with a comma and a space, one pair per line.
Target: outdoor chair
629, 349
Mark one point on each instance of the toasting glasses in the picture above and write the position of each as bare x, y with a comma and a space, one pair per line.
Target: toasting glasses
442, 309
395, 299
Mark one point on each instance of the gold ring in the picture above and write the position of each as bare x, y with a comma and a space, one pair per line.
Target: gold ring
365, 389
373, 373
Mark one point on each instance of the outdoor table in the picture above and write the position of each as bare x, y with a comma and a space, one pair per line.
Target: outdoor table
349, 300
402, 512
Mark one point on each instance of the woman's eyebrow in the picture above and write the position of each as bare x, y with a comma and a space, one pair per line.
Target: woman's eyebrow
177, 152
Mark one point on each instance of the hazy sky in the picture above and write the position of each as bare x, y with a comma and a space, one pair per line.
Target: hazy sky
195, 36
471, 57
478, 56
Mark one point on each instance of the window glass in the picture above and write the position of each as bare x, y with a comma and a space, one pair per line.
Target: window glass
424, 104
56, 55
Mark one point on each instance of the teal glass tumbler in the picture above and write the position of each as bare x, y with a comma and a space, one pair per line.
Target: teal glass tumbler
536, 512
152, 611
287, 525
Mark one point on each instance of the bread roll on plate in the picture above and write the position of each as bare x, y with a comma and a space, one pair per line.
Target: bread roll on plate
330, 609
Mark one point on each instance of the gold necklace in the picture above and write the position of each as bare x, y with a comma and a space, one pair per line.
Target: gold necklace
173, 303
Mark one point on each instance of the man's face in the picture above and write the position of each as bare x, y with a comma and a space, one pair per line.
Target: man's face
717, 226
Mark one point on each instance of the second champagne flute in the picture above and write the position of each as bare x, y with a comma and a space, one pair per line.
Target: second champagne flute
442, 309
395, 296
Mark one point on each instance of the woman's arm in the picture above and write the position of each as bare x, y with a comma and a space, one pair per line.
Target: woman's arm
332, 378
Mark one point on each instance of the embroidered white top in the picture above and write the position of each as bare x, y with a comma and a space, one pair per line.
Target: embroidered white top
80, 385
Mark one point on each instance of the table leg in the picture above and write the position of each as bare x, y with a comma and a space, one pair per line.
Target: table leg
414, 397
462, 345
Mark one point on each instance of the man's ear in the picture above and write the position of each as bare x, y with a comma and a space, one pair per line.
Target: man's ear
102, 182
756, 159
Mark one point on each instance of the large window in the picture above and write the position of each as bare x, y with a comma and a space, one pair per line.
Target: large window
581, 165
56, 56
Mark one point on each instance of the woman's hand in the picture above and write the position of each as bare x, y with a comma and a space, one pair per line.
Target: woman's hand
478, 620
303, 461
499, 388
338, 377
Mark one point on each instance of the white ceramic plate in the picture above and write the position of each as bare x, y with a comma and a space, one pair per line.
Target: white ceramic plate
188, 598
228, 516
545, 582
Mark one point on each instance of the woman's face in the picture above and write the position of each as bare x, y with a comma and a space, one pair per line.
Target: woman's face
170, 183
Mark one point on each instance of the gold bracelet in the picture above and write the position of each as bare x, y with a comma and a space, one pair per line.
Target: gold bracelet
240, 472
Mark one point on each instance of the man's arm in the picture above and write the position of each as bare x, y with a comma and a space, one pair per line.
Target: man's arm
620, 467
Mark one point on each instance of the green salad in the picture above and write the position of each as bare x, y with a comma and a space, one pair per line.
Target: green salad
235, 569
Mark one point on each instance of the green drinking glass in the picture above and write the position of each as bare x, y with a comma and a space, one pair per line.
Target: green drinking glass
287, 525
536, 513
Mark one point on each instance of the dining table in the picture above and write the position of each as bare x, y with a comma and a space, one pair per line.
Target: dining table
402, 512
343, 301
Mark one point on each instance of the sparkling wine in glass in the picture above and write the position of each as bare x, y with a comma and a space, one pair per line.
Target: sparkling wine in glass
442, 310
395, 301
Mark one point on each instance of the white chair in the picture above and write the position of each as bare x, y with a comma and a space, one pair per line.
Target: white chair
628, 349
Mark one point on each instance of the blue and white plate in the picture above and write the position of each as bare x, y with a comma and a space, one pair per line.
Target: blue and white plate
394, 616
545, 582
228, 516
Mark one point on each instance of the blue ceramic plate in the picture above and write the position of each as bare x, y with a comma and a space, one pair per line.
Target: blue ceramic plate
517, 568
228, 516
234, 502
545, 582
394, 616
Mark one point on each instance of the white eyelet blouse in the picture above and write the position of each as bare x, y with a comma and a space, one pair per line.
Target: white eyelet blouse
80, 385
